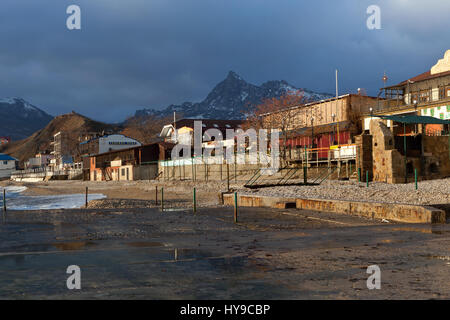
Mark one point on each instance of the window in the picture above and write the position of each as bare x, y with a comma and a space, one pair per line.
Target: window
414, 96
444, 92
441, 92
424, 96
5, 162
123, 172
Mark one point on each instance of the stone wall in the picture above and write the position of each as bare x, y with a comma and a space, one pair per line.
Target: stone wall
436, 162
388, 163
364, 157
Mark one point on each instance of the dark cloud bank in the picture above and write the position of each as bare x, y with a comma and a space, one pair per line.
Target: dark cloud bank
145, 53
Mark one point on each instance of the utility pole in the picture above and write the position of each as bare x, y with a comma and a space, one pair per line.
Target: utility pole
337, 114
175, 126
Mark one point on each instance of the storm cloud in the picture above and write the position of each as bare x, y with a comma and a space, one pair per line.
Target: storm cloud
152, 53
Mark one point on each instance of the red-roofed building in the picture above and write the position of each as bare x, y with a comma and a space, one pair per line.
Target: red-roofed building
426, 94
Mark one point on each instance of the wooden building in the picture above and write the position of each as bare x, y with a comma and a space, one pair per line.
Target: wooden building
136, 163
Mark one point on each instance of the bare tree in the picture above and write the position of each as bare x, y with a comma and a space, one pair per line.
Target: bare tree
277, 113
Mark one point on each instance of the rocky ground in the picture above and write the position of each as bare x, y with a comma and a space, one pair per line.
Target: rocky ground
429, 192
179, 194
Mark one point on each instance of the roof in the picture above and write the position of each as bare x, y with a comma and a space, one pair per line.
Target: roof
209, 123
106, 136
221, 125
4, 157
413, 119
318, 102
324, 128
421, 77
165, 145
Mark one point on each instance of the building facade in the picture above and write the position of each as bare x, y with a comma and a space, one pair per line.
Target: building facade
41, 160
319, 125
62, 156
102, 144
182, 131
427, 94
138, 163
8, 164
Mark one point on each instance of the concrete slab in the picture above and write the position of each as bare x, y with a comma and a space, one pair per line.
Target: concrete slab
374, 210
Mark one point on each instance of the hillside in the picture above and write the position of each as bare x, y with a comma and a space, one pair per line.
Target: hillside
20, 119
232, 98
73, 123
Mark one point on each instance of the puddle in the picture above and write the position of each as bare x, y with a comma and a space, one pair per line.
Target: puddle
68, 246
48, 247
144, 244
193, 254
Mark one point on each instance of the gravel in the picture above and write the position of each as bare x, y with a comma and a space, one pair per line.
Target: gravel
429, 192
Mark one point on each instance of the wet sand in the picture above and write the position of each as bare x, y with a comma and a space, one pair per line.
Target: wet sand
269, 254
128, 249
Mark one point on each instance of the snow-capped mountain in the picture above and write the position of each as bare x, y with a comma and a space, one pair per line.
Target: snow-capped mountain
20, 119
231, 97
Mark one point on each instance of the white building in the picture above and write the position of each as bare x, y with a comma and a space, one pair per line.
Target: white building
7, 165
116, 142
107, 143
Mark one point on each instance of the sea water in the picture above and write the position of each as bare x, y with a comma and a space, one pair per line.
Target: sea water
15, 200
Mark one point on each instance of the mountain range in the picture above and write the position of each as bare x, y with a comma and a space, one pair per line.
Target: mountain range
20, 119
232, 98
229, 99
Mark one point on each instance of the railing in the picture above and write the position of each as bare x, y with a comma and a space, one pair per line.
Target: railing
399, 104
333, 153
46, 171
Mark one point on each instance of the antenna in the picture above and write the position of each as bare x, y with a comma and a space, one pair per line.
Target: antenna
337, 92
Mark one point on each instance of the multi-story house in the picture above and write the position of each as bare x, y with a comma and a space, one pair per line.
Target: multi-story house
427, 94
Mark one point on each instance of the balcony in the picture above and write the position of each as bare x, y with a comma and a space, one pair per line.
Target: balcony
392, 105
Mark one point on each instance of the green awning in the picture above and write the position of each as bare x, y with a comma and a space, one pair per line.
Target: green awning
415, 119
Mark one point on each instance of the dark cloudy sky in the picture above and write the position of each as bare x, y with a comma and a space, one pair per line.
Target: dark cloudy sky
151, 53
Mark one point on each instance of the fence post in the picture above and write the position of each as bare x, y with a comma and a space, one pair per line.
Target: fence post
156, 195
228, 177
87, 192
235, 208
415, 178
4, 203
162, 198
195, 202
367, 178
305, 169
206, 170
235, 169
192, 169
346, 169
359, 174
